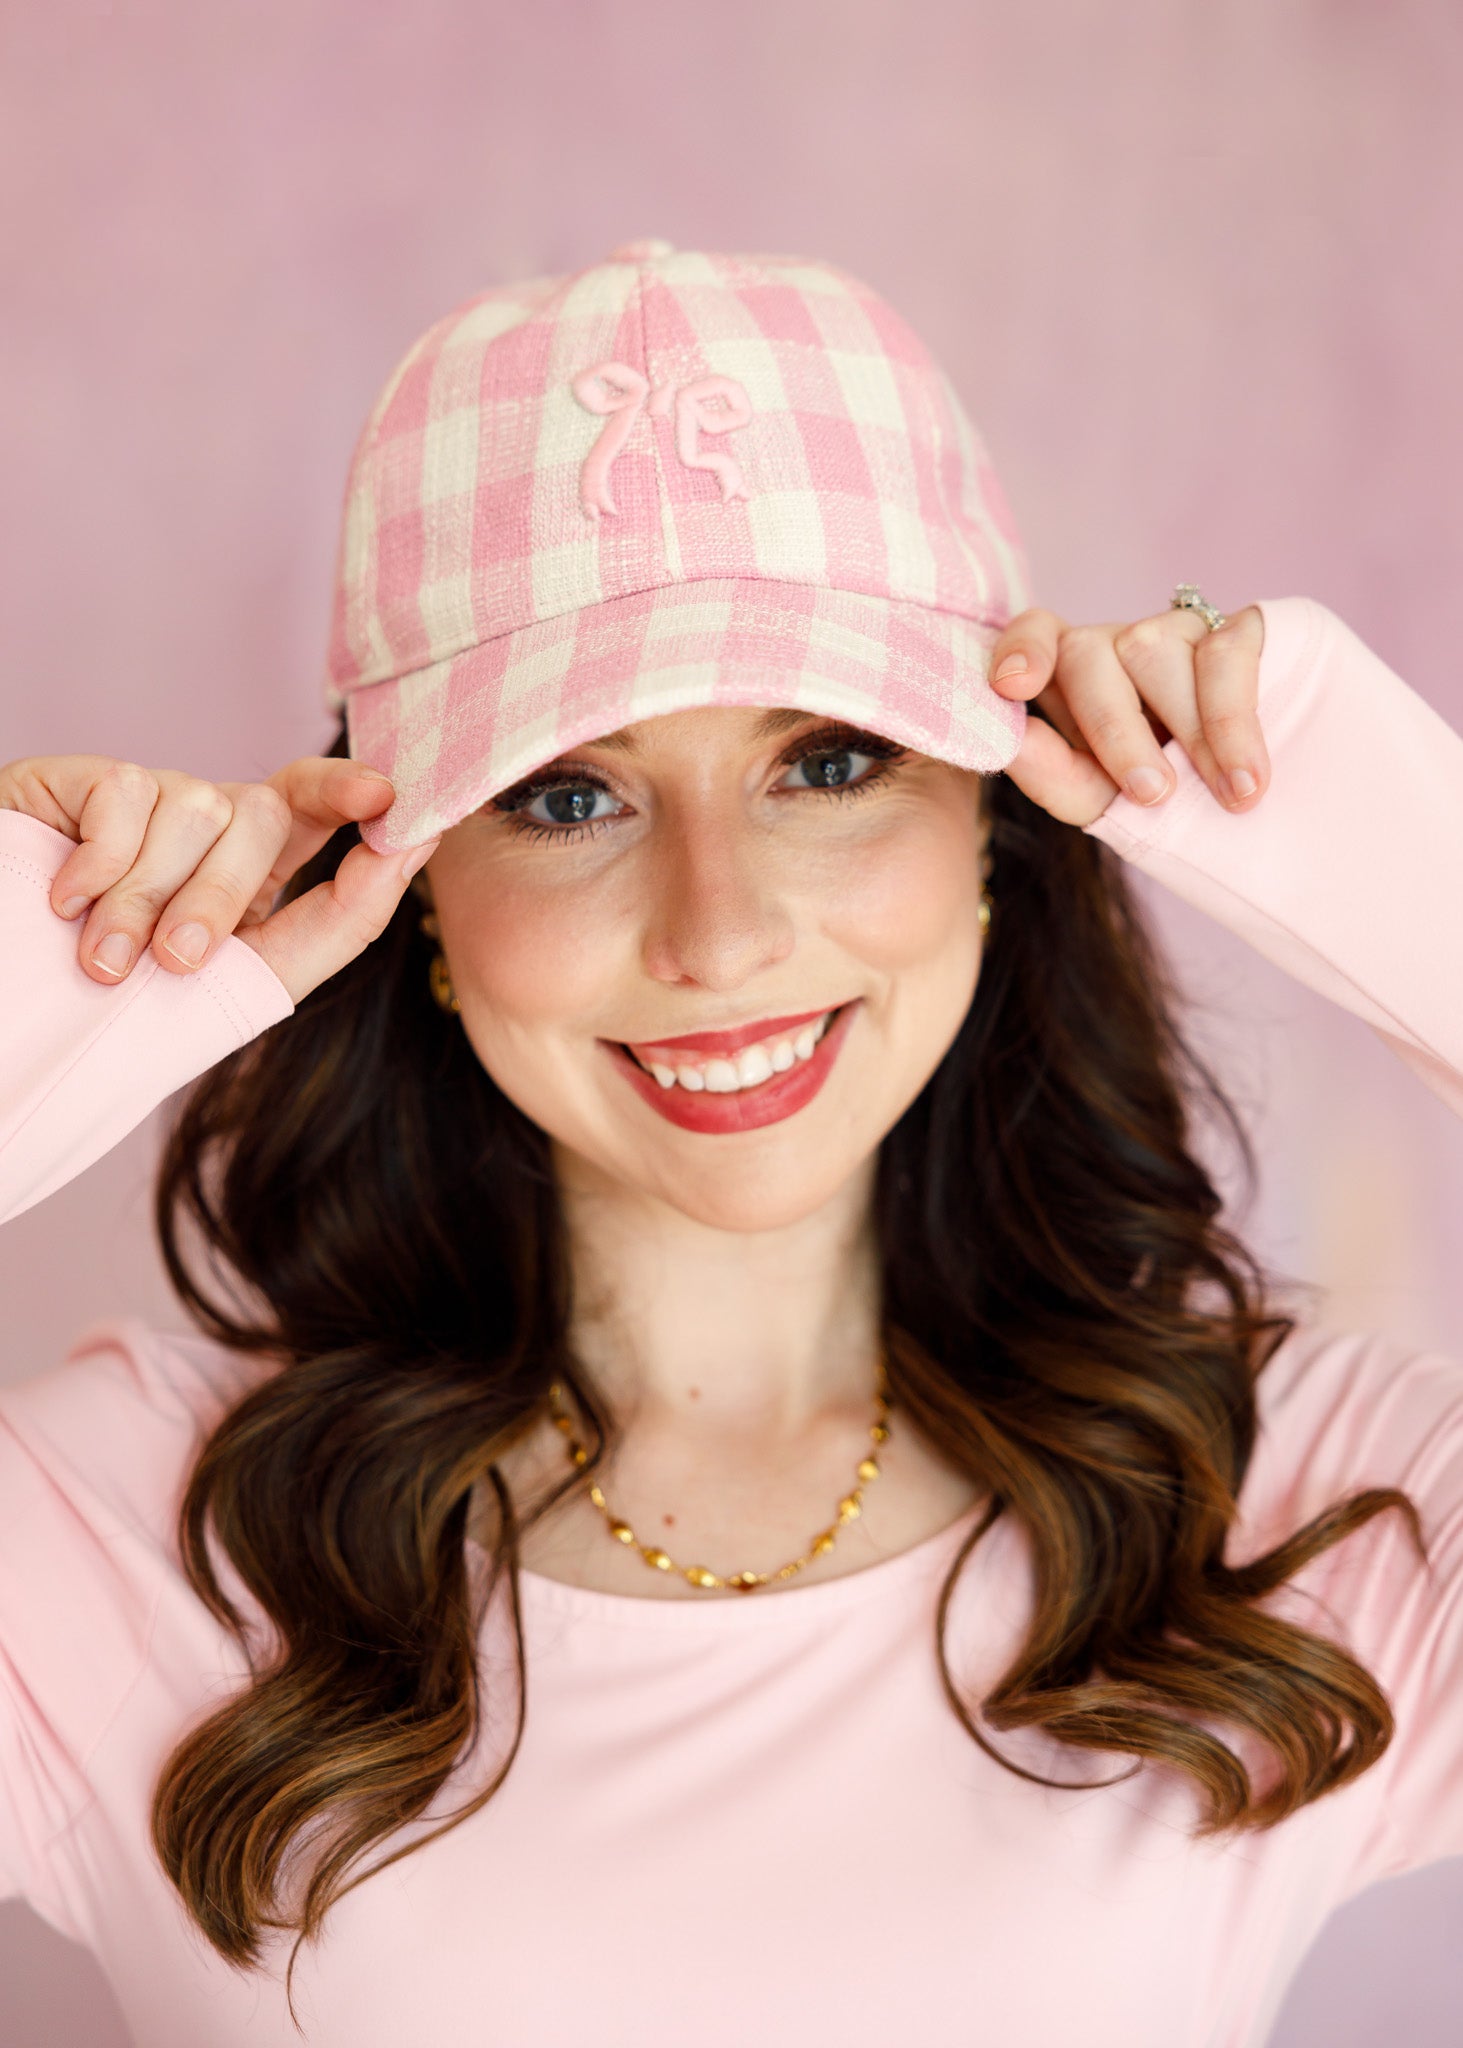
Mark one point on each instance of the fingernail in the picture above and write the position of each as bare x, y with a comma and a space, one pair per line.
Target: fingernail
188, 943
1013, 665
1146, 785
1241, 784
371, 774
114, 954
419, 856
74, 905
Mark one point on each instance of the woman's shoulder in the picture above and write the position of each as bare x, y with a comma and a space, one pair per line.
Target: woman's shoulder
113, 1427
1343, 1409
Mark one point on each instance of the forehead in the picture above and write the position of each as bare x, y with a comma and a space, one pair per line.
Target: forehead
769, 725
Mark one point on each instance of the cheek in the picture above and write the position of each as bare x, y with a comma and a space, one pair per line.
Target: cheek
526, 959
533, 969
908, 901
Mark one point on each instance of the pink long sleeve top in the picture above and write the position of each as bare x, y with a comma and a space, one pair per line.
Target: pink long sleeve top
747, 1821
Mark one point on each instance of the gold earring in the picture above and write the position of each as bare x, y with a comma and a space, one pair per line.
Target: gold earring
987, 905
437, 975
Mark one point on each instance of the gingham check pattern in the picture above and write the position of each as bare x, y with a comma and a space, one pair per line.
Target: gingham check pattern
485, 622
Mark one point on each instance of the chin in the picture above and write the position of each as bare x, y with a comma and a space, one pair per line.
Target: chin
748, 1205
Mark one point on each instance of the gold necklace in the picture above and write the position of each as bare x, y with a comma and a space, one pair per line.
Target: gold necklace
740, 1582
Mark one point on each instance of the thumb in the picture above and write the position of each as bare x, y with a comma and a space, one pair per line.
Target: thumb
1027, 653
1061, 778
313, 937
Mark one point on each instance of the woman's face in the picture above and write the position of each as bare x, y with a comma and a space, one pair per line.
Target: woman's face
716, 955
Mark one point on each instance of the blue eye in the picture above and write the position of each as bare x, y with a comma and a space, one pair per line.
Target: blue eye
835, 768
569, 803
579, 805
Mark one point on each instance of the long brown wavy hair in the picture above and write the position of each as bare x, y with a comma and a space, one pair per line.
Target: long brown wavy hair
385, 1225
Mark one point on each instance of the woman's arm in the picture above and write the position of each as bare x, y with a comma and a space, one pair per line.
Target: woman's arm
86, 1050
81, 1064
1348, 871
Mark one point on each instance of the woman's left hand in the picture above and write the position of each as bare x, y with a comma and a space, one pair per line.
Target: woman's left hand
1111, 697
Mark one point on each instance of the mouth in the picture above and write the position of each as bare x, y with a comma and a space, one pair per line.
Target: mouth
728, 1062
739, 1080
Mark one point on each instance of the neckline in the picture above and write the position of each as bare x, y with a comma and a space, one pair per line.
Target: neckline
795, 1604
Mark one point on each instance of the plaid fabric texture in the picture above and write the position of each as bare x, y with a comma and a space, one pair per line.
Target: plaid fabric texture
675, 478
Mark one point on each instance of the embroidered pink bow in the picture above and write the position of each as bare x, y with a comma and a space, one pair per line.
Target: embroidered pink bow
618, 391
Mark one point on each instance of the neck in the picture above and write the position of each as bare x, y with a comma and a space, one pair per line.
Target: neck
757, 1334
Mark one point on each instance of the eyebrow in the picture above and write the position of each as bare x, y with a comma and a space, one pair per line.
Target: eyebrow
770, 726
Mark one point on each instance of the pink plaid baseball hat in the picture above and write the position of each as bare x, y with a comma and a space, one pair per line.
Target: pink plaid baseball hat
671, 479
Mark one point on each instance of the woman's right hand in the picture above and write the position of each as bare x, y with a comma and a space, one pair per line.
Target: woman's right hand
162, 855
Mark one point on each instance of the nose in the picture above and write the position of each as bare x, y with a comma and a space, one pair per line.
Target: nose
719, 910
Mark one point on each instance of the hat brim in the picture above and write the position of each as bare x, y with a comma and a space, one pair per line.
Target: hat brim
453, 735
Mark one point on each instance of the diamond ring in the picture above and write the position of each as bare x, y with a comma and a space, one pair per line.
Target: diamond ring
1186, 598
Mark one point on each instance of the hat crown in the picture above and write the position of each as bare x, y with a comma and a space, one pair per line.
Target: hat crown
663, 417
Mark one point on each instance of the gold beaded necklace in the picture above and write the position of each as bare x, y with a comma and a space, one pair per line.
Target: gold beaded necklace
740, 1582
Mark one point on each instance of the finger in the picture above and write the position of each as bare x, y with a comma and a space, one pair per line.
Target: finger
313, 937
208, 906
329, 792
1104, 701
1023, 658
1063, 779
1053, 705
324, 789
1052, 702
323, 793
1227, 687
1206, 695
107, 805
1162, 656
190, 814
54, 787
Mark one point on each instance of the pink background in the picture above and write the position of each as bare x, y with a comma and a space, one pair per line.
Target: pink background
1193, 267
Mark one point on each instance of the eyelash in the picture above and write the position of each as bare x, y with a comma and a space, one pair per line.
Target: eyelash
831, 739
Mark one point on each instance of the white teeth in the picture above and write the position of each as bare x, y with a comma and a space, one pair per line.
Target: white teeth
751, 1067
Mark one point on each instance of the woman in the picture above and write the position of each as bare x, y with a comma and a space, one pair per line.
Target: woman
732, 1484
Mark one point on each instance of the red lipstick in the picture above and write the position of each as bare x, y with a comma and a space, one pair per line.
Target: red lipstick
723, 1044
746, 1109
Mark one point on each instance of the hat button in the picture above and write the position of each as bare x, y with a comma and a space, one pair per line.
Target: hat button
640, 252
